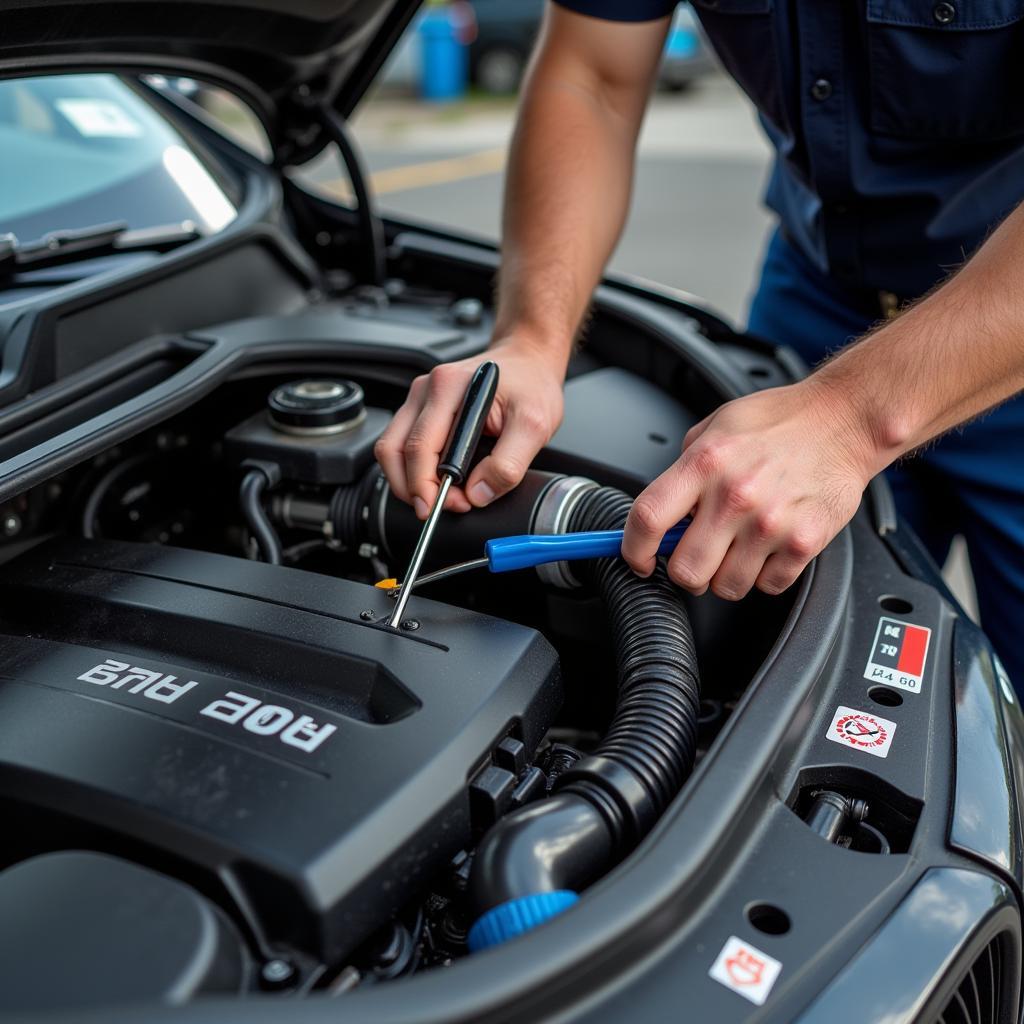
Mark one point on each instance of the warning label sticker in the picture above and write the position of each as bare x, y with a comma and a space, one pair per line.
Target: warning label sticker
745, 969
899, 655
858, 729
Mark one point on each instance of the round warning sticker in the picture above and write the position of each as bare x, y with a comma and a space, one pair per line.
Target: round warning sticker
861, 730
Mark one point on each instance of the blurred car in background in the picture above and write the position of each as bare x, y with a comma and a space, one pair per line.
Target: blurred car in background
687, 55
505, 31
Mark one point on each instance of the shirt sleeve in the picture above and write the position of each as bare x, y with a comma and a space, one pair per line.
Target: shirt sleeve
621, 10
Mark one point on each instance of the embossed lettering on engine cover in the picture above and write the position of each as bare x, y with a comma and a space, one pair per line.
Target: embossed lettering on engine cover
233, 708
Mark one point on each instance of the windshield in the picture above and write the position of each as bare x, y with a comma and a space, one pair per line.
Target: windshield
79, 150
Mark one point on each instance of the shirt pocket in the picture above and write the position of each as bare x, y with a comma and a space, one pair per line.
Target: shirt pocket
946, 70
743, 35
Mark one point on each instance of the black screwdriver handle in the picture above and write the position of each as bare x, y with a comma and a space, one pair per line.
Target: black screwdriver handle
469, 424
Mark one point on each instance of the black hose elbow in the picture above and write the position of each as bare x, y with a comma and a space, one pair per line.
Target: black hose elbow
551, 845
531, 865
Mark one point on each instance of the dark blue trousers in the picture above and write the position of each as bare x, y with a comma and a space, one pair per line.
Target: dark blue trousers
970, 482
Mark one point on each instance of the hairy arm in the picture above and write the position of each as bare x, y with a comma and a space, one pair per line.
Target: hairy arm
773, 477
567, 194
961, 350
570, 170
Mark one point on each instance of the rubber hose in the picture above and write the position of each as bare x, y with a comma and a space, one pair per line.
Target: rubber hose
253, 485
637, 769
345, 511
653, 733
90, 513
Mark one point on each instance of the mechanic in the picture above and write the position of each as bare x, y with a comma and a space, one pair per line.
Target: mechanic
899, 132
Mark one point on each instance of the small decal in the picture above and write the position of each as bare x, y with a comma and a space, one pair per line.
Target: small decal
865, 732
746, 970
899, 655
99, 118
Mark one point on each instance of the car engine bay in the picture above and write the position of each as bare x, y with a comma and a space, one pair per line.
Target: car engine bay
316, 783
223, 774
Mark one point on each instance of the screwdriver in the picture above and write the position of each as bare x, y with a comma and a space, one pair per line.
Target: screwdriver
453, 468
523, 551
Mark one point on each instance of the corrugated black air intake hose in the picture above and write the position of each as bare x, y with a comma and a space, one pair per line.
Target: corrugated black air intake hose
653, 734
533, 862
345, 511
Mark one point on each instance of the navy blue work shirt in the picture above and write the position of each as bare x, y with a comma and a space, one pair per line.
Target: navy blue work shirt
898, 124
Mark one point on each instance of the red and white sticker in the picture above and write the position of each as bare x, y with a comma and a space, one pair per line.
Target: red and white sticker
746, 970
862, 731
899, 655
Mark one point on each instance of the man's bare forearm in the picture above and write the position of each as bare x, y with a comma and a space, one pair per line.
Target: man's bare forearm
949, 358
568, 189
569, 178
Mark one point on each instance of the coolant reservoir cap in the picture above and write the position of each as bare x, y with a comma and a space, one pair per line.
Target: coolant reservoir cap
317, 406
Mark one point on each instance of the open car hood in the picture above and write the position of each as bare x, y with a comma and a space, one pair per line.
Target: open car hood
284, 57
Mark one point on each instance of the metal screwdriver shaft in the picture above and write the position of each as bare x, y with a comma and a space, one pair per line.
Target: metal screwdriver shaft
453, 468
419, 553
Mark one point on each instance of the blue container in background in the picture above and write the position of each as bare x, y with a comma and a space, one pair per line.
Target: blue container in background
445, 66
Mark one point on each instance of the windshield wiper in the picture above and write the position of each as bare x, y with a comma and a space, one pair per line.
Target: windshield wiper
67, 246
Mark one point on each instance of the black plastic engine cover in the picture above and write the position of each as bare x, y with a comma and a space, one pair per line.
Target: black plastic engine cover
247, 720
88, 930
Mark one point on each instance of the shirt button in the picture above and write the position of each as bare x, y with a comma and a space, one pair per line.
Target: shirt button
944, 12
821, 90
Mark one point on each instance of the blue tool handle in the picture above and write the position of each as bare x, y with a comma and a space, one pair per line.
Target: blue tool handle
530, 549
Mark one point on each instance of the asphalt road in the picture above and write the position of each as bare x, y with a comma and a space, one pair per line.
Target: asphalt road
696, 222
693, 225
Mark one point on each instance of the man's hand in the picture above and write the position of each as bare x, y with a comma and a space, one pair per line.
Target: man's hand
526, 412
770, 479
773, 477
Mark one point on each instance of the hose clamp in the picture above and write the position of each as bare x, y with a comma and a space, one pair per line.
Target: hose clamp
551, 516
375, 514
635, 811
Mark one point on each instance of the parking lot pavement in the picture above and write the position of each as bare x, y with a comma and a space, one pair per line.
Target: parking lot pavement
697, 222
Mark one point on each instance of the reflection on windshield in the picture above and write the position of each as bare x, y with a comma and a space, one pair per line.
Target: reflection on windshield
195, 181
87, 149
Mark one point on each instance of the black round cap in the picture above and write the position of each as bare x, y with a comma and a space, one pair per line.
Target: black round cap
321, 404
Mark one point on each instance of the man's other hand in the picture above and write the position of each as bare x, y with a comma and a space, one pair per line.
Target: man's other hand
770, 479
